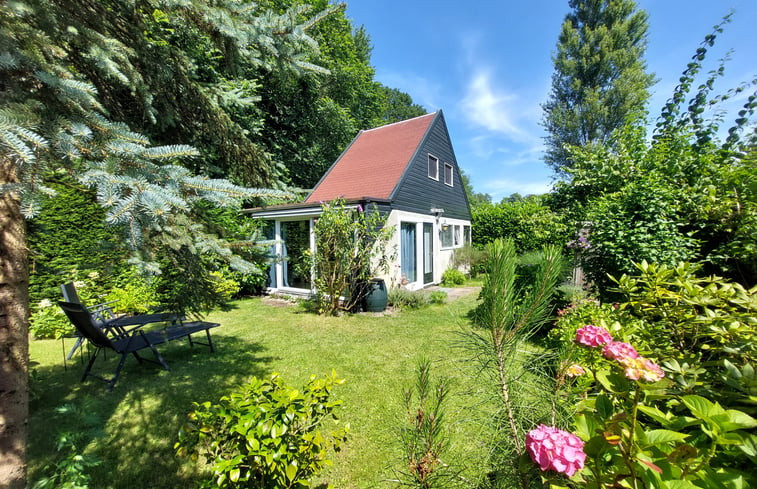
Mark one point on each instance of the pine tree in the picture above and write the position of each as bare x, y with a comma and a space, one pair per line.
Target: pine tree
69, 71
599, 80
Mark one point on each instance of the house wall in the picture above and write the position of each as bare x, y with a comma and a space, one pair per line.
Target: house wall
419, 193
442, 256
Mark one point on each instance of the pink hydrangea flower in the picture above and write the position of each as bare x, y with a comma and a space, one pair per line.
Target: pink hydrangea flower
555, 449
642, 368
593, 336
617, 350
575, 370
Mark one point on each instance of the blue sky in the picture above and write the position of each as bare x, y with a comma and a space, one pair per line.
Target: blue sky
487, 64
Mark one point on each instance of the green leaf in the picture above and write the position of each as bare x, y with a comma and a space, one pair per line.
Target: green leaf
734, 420
291, 472
701, 407
679, 484
604, 407
656, 415
659, 437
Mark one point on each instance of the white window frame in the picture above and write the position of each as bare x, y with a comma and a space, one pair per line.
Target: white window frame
436, 167
451, 182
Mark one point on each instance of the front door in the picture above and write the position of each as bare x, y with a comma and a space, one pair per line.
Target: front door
428, 252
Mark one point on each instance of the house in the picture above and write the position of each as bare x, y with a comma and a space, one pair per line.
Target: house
407, 170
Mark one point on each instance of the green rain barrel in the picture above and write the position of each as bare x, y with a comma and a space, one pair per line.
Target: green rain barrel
376, 299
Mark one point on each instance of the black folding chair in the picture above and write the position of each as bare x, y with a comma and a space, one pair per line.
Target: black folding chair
128, 335
124, 341
104, 317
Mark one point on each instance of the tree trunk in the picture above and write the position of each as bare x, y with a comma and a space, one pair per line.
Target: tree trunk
14, 337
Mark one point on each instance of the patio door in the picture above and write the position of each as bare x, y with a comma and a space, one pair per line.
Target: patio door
407, 251
428, 253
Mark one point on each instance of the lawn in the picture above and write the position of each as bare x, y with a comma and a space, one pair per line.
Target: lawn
132, 429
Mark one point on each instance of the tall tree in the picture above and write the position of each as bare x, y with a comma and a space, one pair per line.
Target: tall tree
600, 77
68, 71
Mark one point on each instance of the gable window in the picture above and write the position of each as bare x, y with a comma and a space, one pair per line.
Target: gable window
433, 167
448, 174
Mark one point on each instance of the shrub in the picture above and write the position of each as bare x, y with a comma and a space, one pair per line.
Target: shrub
639, 429
452, 276
400, 299
350, 249
224, 285
437, 297
49, 321
469, 258
529, 222
134, 296
265, 434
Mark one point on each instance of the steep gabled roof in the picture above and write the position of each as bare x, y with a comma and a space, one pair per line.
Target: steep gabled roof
373, 164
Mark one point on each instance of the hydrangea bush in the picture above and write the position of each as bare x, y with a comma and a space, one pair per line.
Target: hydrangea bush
633, 428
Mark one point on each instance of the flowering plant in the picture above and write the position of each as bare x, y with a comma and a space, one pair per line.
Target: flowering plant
637, 431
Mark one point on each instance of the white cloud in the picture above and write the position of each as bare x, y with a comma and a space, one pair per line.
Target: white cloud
491, 109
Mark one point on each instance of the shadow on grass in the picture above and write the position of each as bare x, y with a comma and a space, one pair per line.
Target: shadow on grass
137, 424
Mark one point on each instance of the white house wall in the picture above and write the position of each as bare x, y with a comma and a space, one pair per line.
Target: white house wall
442, 257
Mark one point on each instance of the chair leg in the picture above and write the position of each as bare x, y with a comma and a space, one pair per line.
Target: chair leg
160, 359
113, 381
89, 365
210, 342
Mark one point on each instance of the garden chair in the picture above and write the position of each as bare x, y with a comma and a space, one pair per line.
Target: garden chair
129, 336
105, 318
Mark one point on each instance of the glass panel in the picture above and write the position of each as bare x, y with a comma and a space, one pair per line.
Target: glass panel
448, 174
407, 250
466, 234
428, 249
295, 237
268, 232
457, 235
446, 236
433, 167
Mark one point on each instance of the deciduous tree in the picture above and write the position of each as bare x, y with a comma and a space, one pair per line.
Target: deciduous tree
600, 76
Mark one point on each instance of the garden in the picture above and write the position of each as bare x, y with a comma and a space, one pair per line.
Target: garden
610, 342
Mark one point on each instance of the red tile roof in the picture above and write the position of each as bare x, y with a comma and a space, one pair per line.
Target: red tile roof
374, 162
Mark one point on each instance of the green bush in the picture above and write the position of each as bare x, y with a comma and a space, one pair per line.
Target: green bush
452, 276
134, 296
49, 321
224, 285
265, 434
470, 258
70, 234
529, 222
400, 298
437, 297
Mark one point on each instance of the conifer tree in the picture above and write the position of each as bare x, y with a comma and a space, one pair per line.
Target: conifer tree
600, 77
69, 71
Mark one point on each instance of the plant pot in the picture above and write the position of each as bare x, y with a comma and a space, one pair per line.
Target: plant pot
376, 298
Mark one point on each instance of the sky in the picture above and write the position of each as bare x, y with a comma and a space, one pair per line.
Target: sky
487, 65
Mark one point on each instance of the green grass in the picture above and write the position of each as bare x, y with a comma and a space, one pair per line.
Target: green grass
133, 429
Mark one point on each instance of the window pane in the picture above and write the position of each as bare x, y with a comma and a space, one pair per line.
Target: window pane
457, 235
446, 236
433, 167
448, 174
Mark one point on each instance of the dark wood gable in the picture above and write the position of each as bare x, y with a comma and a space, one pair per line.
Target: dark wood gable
417, 192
